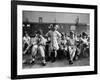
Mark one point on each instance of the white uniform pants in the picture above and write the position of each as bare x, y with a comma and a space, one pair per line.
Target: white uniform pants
40, 49
72, 50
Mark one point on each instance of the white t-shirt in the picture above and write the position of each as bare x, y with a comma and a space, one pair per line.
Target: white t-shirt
26, 40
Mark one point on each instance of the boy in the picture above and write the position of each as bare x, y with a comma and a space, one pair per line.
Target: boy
26, 44
85, 44
71, 47
39, 43
63, 44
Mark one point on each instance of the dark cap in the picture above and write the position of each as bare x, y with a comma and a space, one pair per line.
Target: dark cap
71, 32
84, 34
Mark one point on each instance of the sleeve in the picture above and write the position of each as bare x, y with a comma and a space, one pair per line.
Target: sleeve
68, 42
59, 37
29, 40
43, 41
58, 34
47, 34
24, 40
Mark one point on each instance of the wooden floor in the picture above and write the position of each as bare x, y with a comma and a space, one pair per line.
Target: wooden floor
63, 62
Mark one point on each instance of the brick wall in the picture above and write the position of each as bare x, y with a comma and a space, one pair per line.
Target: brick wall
64, 27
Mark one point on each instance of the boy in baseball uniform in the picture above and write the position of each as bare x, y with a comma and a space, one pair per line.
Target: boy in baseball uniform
39, 43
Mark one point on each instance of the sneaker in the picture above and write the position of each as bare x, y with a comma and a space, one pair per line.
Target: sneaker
32, 62
70, 62
44, 64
